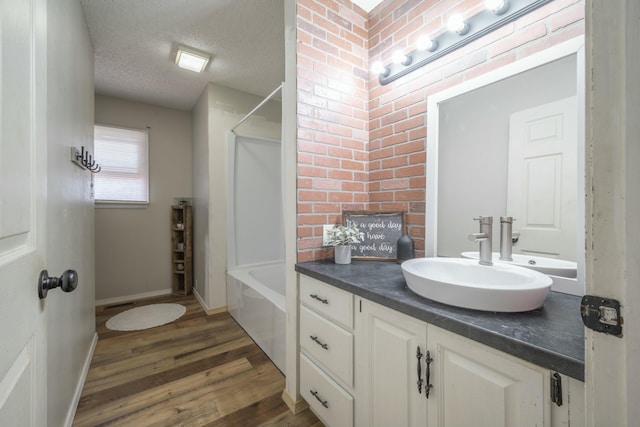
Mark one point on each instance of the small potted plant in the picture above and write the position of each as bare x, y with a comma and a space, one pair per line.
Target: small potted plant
342, 237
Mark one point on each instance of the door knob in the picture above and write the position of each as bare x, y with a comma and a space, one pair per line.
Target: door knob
68, 282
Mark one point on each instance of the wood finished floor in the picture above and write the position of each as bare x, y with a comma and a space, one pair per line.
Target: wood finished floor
197, 371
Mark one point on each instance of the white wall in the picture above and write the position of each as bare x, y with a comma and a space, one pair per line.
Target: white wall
133, 245
223, 108
70, 214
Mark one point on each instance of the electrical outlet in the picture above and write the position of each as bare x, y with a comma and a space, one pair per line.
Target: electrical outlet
325, 227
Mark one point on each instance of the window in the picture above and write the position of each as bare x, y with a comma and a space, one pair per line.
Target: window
123, 155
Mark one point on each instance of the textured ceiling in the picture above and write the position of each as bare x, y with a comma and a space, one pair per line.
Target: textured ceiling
135, 43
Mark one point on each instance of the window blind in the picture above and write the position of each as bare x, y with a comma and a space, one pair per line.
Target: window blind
124, 157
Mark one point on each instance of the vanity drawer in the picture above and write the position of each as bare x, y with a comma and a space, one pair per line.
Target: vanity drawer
328, 343
327, 399
332, 302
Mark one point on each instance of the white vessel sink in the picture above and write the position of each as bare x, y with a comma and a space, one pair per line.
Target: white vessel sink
465, 283
555, 267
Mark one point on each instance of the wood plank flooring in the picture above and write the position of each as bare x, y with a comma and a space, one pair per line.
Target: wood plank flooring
197, 371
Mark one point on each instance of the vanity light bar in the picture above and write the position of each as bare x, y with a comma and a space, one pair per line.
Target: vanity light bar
477, 26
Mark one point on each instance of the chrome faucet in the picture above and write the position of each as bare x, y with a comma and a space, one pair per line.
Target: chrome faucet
484, 237
506, 238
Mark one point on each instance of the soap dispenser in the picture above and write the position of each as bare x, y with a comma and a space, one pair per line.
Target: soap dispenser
405, 248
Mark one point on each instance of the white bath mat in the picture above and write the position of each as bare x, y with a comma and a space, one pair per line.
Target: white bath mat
145, 317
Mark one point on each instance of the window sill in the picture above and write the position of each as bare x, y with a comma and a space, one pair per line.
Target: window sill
103, 204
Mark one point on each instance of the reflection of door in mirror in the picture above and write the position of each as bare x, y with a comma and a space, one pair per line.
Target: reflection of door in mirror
542, 179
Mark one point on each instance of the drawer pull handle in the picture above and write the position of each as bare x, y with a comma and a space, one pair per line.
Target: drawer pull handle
419, 356
428, 386
322, 300
320, 343
322, 402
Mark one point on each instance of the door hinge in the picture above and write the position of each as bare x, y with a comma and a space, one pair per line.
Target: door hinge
601, 314
556, 388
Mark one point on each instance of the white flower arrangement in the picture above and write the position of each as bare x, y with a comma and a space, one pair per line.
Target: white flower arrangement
342, 235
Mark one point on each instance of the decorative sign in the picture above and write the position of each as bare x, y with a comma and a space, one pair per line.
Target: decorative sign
381, 233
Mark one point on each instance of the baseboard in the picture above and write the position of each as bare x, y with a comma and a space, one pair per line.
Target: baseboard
83, 378
208, 310
109, 301
295, 406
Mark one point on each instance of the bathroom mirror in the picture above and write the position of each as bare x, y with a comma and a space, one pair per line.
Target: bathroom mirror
488, 155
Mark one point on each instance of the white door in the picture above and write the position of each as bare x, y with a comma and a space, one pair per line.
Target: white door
474, 385
393, 394
542, 179
22, 217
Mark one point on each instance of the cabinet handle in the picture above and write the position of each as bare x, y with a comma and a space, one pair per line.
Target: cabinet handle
317, 341
419, 356
322, 402
316, 297
428, 385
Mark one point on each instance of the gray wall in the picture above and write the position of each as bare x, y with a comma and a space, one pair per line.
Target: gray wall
133, 245
70, 215
216, 112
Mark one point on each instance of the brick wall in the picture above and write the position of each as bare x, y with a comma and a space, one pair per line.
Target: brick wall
390, 148
333, 118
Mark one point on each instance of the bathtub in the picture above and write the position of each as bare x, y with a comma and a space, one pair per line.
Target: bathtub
256, 300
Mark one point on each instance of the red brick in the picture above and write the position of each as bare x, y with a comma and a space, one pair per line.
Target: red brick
394, 162
305, 231
326, 208
353, 186
335, 196
415, 170
381, 154
340, 152
381, 174
312, 171
395, 139
409, 195
409, 124
351, 165
394, 184
311, 219
381, 196
418, 182
418, 158
305, 183
409, 147
311, 147
340, 174
312, 196
305, 158
326, 138
326, 184
329, 162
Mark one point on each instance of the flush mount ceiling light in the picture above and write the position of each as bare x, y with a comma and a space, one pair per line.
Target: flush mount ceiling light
461, 32
191, 59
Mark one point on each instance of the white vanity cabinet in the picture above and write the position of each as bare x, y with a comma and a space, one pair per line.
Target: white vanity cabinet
410, 373
326, 351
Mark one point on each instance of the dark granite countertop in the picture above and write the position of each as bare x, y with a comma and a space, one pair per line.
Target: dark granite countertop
552, 337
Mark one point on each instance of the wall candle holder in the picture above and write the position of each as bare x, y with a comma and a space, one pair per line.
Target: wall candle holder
84, 160
476, 26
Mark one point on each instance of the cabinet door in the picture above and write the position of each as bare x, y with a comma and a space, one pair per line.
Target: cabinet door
474, 385
387, 368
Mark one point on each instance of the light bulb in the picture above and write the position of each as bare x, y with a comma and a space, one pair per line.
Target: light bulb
400, 58
497, 6
426, 43
379, 69
456, 23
